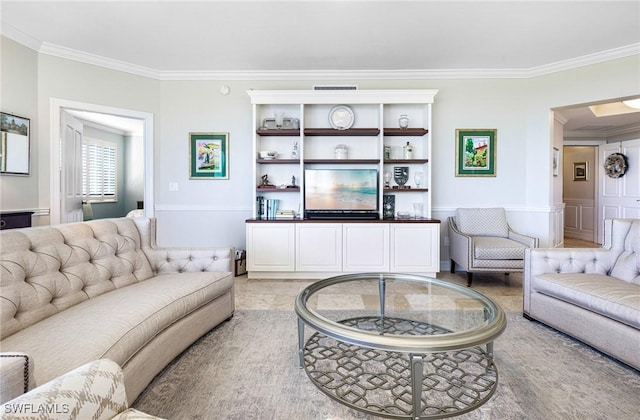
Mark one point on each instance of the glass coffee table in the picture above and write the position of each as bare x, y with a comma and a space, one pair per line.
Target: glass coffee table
398, 345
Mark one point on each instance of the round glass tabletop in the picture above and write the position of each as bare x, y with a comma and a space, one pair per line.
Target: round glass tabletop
398, 345
461, 316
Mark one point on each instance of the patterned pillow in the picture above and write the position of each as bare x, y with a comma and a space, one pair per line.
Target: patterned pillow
92, 391
483, 222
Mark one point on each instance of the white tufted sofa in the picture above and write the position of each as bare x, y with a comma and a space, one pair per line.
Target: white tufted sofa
75, 293
592, 294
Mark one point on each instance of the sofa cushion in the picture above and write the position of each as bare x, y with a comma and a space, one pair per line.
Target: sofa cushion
599, 293
482, 222
117, 324
494, 248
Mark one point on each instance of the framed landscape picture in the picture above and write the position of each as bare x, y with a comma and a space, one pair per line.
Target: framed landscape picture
476, 152
15, 135
209, 156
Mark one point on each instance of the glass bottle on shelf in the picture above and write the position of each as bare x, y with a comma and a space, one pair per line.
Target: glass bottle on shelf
408, 151
294, 151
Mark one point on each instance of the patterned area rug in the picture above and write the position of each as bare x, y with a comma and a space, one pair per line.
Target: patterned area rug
247, 368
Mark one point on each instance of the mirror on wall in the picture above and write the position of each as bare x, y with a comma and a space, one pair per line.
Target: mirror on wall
14, 145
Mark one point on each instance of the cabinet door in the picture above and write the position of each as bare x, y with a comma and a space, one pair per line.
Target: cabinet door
270, 247
366, 247
415, 248
319, 247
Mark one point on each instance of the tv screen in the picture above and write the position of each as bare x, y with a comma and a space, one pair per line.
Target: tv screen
341, 190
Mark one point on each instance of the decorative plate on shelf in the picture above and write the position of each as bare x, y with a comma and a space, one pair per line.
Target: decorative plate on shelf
341, 117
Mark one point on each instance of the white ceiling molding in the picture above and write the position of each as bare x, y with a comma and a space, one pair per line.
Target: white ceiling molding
20, 37
328, 75
96, 60
601, 57
603, 133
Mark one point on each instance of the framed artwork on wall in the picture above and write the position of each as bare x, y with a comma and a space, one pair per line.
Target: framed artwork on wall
209, 156
556, 162
580, 171
476, 152
15, 134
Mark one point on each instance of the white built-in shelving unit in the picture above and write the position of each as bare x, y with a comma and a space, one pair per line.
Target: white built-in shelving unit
290, 248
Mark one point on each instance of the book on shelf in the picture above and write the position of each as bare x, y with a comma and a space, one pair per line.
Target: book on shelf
285, 214
266, 208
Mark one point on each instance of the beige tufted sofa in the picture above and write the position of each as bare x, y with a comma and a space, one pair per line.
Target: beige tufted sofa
75, 293
592, 294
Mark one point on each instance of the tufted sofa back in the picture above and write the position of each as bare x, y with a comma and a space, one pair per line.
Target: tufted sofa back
45, 270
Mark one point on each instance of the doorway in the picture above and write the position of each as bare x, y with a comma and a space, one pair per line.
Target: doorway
58, 109
594, 130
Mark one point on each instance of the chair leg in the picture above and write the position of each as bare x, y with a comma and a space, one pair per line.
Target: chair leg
453, 266
469, 278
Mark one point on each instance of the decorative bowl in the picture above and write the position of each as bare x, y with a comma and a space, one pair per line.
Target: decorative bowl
268, 154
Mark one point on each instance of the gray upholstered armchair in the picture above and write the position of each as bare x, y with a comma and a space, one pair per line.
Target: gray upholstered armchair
482, 241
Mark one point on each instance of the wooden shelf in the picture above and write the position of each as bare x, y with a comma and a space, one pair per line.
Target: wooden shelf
279, 161
276, 189
348, 132
344, 161
406, 161
278, 132
404, 190
405, 131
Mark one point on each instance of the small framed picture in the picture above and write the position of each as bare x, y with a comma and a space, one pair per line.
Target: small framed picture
476, 152
580, 171
15, 133
209, 156
556, 161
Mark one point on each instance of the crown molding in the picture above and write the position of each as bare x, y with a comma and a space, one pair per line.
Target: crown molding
96, 60
324, 75
602, 134
20, 37
586, 60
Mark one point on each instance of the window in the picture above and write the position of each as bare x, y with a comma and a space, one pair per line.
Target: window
99, 179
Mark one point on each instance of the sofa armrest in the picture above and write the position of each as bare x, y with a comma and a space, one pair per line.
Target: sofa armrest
529, 241
92, 391
16, 375
178, 260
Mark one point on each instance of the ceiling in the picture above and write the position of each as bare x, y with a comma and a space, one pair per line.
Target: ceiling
209, 39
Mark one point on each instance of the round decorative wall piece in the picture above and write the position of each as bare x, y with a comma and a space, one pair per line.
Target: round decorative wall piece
615, 165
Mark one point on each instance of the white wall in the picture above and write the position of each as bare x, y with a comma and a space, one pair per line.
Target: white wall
207, 212
18, 75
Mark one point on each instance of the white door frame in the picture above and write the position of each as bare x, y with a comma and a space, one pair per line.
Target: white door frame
56, 106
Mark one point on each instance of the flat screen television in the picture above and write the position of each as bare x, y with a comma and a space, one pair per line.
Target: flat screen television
341, 194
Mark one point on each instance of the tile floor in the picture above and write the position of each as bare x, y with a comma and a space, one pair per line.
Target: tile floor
506, 290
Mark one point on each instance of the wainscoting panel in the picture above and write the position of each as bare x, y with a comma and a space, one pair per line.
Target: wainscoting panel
579, 219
